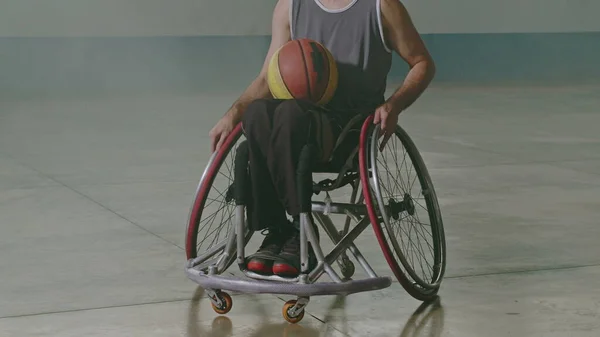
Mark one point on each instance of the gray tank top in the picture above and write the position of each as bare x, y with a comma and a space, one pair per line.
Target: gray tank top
354, 36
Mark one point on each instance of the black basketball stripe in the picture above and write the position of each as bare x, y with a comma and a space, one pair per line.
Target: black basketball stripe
317, 60
306, 70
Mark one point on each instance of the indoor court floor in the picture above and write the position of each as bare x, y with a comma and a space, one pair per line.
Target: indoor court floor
95, 193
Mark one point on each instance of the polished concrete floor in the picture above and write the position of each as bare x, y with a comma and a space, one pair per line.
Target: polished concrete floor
95, 191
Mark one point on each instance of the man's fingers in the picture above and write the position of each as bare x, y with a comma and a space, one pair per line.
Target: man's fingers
383, 126
213, 142
222, 138
386, 137
377, 118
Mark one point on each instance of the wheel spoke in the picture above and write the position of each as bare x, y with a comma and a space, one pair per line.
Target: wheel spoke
212, 219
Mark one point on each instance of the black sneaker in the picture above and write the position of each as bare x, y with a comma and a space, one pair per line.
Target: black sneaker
288, 264
261, 262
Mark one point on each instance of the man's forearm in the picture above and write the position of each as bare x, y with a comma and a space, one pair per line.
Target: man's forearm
415, 83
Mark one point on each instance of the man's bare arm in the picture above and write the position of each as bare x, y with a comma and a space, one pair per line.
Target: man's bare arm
259, 88
402, 36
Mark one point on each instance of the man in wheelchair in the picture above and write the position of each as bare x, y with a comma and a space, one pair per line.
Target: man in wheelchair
361, 35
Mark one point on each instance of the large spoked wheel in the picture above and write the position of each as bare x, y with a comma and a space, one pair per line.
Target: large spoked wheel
211, 225
404, 210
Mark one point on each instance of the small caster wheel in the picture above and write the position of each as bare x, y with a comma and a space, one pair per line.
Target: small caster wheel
348, 269
225, 307
288, 315
346, 266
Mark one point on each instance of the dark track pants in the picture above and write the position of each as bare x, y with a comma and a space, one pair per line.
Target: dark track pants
276, 131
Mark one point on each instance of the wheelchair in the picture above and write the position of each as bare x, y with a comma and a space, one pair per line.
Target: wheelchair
404, 215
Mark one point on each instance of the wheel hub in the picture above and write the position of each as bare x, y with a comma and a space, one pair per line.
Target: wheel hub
397, 207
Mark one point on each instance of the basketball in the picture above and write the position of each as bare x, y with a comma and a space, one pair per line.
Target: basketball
303, 69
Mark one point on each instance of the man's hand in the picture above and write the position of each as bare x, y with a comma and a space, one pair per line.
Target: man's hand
219, 132
387, 117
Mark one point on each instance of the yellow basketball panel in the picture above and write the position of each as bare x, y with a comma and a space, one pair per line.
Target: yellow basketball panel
276, 85
333, 80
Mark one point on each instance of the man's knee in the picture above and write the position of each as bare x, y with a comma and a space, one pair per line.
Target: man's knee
305, 123
292, 114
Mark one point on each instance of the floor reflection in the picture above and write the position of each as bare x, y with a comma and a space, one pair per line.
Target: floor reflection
426, 321
336, 313
221, 326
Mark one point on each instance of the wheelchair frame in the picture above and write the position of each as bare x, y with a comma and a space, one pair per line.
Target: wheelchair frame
207, 268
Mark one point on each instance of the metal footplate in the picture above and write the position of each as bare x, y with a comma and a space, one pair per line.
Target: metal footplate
281, 288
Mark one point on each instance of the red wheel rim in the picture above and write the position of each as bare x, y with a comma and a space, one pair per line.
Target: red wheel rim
203, 190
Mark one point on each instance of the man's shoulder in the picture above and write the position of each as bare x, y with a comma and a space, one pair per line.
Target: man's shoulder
281, 11
391, 4
393, 12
